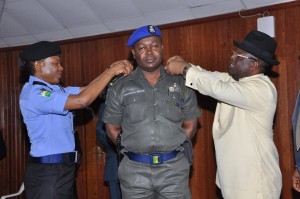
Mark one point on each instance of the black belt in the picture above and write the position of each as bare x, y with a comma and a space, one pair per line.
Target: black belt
72, 157
153, 158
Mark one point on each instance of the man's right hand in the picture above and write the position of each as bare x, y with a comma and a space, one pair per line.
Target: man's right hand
123, 67
296, 180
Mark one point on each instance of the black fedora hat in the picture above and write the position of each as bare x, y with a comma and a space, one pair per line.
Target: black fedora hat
260, 45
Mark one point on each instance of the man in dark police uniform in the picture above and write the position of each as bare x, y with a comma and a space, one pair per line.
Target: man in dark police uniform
157, 114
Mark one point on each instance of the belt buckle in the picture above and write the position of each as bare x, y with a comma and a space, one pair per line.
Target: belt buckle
156, 158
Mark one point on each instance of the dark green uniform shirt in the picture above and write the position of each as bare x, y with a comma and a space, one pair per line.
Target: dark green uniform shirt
151, 116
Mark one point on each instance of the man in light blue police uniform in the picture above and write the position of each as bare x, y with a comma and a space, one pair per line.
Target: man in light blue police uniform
157, 114
296, 136
46, 110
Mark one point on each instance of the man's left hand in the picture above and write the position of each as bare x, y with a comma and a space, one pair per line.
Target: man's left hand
175, 65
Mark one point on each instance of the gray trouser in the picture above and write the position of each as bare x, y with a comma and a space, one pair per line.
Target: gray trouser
167, 180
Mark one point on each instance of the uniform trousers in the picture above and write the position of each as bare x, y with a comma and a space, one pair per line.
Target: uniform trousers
50, 181
168, 180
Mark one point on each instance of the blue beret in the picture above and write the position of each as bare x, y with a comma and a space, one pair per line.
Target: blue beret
40, 50
142, 32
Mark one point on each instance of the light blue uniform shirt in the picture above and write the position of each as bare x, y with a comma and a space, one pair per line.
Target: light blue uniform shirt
50, 127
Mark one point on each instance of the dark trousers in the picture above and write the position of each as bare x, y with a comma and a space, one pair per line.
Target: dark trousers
50, 181
114, 189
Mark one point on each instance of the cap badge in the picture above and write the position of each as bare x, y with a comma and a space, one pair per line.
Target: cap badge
151, 29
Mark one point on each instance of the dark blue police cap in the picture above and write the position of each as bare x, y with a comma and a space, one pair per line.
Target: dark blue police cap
142, 32
40, 50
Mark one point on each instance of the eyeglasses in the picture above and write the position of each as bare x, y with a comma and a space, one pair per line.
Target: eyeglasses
235, 55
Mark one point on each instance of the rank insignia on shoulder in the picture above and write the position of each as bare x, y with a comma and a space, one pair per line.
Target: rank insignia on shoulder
45, 93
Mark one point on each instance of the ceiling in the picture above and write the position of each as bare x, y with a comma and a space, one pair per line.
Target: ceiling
27, 21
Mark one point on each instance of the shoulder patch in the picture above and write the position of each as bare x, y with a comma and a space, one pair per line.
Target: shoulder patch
45, 93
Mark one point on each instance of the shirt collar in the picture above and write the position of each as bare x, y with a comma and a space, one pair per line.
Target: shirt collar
33, 78
138, 74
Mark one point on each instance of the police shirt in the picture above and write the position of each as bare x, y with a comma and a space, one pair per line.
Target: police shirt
50, 127
151, 116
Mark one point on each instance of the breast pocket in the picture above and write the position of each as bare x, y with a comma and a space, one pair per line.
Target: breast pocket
173, 104
135, 107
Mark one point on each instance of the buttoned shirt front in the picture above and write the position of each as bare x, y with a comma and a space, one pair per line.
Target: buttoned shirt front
247, 158
50, 127
151, 116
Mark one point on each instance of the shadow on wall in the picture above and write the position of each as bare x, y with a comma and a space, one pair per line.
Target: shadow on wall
206, 102
272, 74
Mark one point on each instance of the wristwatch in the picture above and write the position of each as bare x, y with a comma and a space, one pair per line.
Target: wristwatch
185, 69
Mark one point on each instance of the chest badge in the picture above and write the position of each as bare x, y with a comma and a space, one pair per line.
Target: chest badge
45, 93
174, 88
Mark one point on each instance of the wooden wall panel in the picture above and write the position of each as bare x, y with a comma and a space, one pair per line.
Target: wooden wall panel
206, 42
